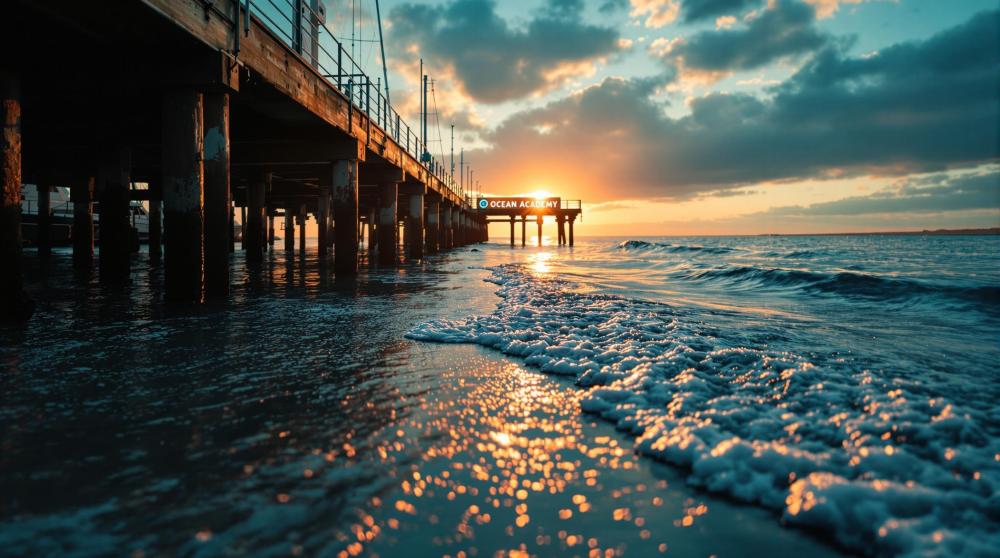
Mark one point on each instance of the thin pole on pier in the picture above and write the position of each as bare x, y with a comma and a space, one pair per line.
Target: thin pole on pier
381, 44
453, 154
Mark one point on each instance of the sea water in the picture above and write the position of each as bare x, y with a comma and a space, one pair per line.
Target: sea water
849, 383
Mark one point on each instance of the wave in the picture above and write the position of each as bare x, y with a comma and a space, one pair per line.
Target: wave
638, 245
886, 467
847, 283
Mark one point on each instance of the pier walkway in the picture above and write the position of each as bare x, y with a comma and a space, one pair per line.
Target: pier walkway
219, 106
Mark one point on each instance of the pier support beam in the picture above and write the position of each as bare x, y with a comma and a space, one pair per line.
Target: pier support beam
345, 215
388, 224
116, 228
372, 242
270, 231
561, 222
217, 194
540, 218
415, 226
82, 196
432, 225
15, 305
253, 240
571, 219
511, 232
524, 231
183, 190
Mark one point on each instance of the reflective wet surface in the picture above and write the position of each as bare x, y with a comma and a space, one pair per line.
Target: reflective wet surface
296, 419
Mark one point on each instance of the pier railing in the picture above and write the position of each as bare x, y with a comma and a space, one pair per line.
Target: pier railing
295, 23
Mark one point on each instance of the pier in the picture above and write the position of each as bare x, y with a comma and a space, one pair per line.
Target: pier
225, 107
524, 209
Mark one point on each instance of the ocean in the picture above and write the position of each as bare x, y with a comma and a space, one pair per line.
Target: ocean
723, 396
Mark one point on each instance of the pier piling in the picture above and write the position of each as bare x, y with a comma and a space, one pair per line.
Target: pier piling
415, 226
387, 223
183, 192
345, 216
116, 228
289, 234
15, 305
217, 194
253, 239
82, 195
44, 237
432, 230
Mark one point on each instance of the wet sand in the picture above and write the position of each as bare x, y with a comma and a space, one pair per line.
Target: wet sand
296, 419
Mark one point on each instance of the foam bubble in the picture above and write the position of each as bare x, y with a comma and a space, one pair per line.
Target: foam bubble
880, 465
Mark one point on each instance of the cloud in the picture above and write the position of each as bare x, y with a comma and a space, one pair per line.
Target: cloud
934, 194
657, 13
494, 61
699, 10
918, 106
785, 30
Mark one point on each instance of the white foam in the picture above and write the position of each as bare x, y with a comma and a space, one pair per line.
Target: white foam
881, 466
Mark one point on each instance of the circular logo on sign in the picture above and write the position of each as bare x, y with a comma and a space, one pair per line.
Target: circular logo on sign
483, 204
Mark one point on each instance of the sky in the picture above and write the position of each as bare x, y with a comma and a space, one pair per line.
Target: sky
709, 116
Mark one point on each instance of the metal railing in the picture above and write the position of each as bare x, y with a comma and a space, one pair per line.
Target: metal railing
296, 24
571, 204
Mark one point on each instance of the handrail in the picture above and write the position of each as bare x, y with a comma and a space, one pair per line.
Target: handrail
341, 71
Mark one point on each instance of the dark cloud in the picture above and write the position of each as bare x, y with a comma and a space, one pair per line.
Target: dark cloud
915, 107
967, 192
611, 6
698, 10
494, 61
784, 30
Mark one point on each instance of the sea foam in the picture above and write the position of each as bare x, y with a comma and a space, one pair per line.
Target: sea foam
881, 465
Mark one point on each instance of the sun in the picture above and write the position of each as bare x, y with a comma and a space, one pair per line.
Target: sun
541, 194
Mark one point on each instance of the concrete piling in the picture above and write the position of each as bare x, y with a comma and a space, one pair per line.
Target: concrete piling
183, 192
561, 222
524, 231
387, 223
512, 232
540, 230
571, 219
15, 305
82, 195
303, 218
345, 215
217, 194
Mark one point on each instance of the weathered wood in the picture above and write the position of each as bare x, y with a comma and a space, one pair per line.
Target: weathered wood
345, 215
388, 223
82, 195
183, 150
115, 225
15, 305
217, 186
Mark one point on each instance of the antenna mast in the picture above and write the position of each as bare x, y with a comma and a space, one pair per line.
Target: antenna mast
381, 44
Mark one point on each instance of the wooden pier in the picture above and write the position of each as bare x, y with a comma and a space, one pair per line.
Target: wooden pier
220, 110
523, 209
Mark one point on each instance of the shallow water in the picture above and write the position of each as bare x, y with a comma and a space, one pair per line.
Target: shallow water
850, 384
297, 419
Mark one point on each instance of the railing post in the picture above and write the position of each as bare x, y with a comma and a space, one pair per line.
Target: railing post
297, 23
340, 66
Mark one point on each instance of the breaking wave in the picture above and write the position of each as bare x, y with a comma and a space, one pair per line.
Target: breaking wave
883, 465
846, 283
672, 248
